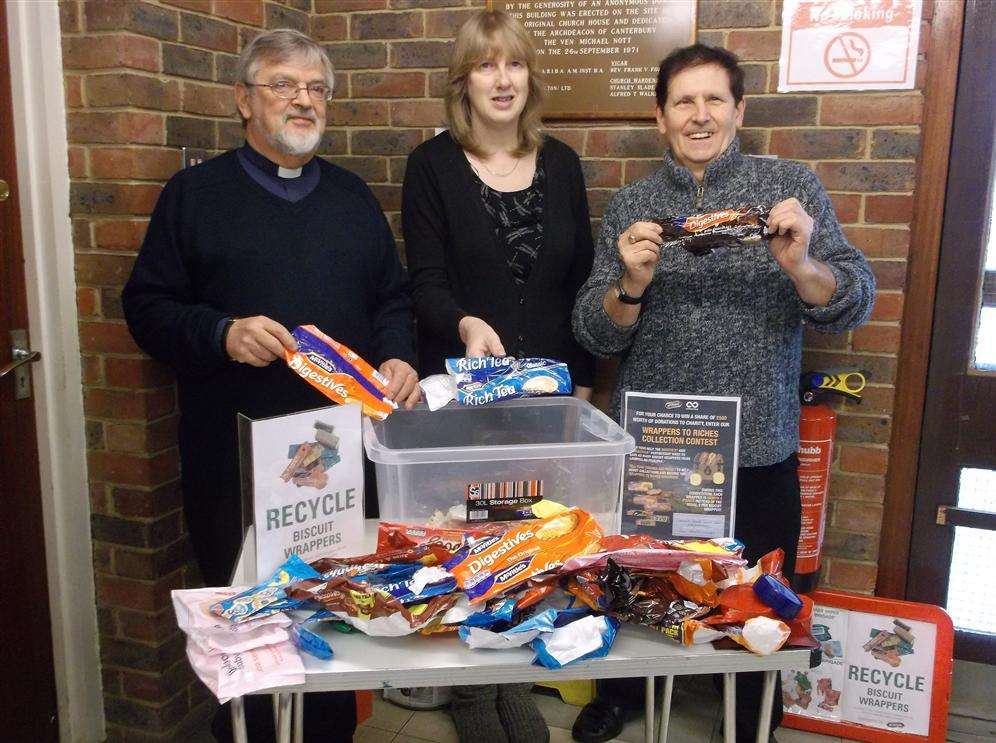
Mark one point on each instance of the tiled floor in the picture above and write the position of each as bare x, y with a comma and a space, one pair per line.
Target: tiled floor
695, 712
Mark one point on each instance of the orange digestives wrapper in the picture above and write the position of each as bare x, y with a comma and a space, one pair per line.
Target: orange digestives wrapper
338, 372
495, 564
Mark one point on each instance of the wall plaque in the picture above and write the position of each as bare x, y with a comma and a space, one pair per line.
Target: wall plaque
600, 57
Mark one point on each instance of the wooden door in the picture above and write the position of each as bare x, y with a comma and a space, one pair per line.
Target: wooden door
954, 525
26, 664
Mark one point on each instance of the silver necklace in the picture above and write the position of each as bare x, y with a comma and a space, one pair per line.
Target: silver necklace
498, 175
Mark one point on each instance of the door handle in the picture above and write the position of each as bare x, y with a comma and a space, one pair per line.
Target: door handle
970, 517
20, 357
4, 190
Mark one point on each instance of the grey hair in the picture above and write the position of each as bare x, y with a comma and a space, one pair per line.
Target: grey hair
281, 45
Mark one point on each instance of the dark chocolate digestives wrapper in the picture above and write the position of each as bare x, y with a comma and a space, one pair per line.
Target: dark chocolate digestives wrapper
700, 234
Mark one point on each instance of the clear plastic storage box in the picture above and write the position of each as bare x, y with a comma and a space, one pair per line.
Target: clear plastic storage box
425, 461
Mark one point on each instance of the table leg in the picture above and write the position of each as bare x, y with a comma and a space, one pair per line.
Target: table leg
299, 717
665, 709
729, 708
238, 708
767, 699
284, 718
648, 712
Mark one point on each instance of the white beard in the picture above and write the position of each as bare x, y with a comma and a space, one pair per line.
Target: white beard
292, 143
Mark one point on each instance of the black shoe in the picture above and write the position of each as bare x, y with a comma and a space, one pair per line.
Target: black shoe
599, 721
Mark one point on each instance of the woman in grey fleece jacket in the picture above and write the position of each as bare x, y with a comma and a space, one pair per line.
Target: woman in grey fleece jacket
726, 323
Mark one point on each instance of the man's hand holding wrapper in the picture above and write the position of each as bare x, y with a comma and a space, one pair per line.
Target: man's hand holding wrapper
257, 340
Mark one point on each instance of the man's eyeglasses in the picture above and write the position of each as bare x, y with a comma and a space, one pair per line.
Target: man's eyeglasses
288, 91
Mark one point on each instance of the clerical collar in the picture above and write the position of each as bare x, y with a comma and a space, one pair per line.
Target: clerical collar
290, 184
268, 166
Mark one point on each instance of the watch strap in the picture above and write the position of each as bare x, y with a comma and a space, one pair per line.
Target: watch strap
229, 322
625, 298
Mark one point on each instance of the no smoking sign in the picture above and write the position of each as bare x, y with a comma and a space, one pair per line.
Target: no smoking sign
847, 55
849, 44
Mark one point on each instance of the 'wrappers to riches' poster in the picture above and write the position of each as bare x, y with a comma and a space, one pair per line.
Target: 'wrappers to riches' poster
303, 484
681, 480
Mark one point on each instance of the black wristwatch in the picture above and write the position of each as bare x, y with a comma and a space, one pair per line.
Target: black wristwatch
625, 298
229, 322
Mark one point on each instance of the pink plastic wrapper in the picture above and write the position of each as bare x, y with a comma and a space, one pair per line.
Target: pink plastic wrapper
214, 636
230, 675
235, 659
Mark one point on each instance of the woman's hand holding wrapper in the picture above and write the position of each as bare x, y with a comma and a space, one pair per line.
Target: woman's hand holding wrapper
479, 338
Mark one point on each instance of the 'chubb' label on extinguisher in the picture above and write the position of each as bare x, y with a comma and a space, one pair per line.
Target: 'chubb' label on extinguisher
815, 456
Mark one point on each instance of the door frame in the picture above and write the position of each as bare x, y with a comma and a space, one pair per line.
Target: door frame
954, 385
944, 53
41, 147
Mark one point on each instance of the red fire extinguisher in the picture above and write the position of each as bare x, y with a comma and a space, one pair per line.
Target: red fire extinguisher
817, 425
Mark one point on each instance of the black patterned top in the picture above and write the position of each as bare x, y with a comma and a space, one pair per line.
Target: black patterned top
517, 217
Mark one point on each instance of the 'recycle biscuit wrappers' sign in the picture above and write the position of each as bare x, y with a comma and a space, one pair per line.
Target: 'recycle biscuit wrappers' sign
303, 484
877, 671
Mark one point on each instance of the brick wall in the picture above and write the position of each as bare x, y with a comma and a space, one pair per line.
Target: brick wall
144, 78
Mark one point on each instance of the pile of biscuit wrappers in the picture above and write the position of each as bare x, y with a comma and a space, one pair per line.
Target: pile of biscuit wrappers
557, 584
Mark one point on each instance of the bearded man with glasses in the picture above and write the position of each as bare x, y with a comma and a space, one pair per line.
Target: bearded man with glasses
239, 250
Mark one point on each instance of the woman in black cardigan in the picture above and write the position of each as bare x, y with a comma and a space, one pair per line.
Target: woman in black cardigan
498, 243
495, 216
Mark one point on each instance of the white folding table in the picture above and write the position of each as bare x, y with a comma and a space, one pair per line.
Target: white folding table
362, 662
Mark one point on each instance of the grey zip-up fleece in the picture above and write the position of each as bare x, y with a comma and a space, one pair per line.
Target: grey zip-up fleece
728, 323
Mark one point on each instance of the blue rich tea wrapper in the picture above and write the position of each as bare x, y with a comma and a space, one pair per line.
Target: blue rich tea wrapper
520, 634
399, 581
484, 380
482, 367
